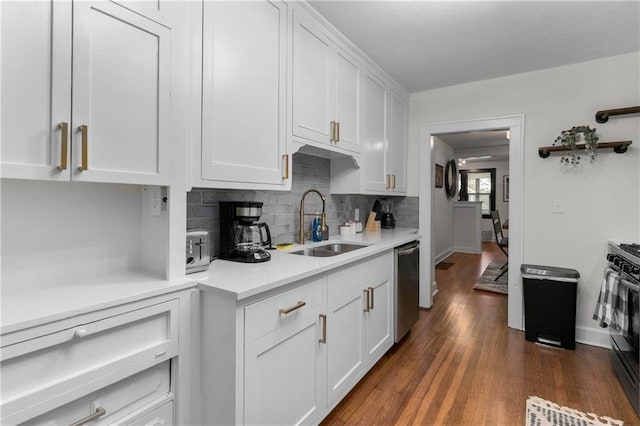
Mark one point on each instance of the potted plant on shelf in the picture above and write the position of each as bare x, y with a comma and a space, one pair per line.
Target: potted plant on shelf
570, 138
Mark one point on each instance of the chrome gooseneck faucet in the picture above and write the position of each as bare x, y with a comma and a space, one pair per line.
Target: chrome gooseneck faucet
323, 215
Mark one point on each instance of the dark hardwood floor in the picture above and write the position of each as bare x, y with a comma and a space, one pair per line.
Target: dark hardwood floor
462, 365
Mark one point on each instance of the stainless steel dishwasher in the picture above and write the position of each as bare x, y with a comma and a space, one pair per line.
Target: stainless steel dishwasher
407, 289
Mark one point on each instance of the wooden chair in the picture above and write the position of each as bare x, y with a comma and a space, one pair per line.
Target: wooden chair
501, 240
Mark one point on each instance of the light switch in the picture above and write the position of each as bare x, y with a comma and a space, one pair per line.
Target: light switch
557, 207
356, 215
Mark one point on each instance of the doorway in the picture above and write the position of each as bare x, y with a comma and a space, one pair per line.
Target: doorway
515, 125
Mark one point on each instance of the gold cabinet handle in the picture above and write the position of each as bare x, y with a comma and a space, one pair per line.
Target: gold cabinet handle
85, 147
387, 181
323, 318
371, 299
332, 137
285, 158
366, 300
285, 311
393, 180
64, 141
337, 131
98, 413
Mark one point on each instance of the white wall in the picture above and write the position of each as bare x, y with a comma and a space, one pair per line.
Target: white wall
502, 169
601, 200
60, 233
443, 206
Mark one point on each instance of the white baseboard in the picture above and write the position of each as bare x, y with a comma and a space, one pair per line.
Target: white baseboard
442, 256
594, 336
470, 250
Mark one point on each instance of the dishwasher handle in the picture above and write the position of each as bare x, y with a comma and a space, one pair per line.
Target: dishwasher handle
408, 250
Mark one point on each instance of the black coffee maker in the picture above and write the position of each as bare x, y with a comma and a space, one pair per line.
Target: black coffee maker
242, 238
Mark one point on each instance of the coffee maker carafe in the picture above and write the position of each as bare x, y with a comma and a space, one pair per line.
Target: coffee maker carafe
242, 238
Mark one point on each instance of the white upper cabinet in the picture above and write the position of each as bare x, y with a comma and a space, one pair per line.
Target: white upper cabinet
244, 96
36, 89
325, 90
121, 89
119, 129
397, 147
374, 134
383, 138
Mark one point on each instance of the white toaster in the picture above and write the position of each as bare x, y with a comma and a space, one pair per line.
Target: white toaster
198, 255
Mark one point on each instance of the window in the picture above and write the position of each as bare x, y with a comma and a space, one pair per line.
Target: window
479, 185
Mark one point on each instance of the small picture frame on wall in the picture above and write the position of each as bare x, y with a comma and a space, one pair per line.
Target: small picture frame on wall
505, 188
438, 177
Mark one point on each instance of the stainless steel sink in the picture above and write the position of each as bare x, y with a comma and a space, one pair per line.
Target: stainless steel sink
327, 250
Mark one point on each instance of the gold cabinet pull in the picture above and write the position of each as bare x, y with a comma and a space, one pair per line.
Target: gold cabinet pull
332, 137
337, 131
64, 141
366, 300
285, 311
285, 159
85, 147
323, 318
387, 182
91, 417
371, 299
393, 180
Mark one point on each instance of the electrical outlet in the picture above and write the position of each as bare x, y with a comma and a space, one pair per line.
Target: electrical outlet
356, 215
557, 206
155, 200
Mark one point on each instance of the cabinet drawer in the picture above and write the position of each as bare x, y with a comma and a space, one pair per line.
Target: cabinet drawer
117, 400
49, 371
364, 274
161, 416
265, 316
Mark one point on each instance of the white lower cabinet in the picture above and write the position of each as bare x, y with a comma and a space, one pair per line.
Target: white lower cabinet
359, 322
288, 358
283, 381
111, 364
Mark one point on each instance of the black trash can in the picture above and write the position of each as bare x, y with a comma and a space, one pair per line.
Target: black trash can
550, 305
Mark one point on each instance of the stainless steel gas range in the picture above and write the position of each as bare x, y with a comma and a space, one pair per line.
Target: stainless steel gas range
624, 258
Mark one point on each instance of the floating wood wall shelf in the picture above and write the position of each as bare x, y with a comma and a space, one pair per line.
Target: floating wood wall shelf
603, 116
619, 147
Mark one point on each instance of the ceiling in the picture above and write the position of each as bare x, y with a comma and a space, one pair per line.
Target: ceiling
469, 145
431, 44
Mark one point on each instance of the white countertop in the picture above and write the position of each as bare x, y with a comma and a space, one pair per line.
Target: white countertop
243, 280
25, 309
30, 308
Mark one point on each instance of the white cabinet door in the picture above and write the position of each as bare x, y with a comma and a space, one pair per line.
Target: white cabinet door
398, 116
377, 320
374, 134
36, 89
121, 90
244, 93
347, 95
283, 375
345, 357
326, 90
313, 60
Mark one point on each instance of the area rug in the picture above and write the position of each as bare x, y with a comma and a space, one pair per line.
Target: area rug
546, 413
444, 265
487, 281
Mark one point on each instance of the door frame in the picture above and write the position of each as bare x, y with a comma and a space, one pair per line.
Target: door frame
515, 125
